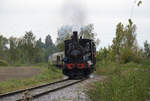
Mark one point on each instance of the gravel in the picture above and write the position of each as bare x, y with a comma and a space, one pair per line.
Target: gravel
72, 93
36, 91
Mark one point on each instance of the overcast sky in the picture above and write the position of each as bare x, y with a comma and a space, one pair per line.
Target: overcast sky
46, 16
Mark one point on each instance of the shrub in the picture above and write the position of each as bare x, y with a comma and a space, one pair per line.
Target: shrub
126, 56
107, 68
145, 62
128, 85
3, 63
129, 55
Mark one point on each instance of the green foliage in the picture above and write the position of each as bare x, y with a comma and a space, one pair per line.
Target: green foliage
64, 33
145, 62
13, 51
29, 47
121, 88
126, 56
87, 32
45, 49
60, 46
49, 47
47, 75
3, 63
146, 49
3, 47
118, 40
102, 54
129, 82
53, 68
49, 42
39, 43
106, 68
26, 50
139, 3
124, 48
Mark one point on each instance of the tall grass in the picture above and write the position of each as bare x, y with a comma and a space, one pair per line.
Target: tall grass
3, 63
48, 75
130, 82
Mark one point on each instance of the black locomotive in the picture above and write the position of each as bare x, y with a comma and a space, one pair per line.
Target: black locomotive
79, 57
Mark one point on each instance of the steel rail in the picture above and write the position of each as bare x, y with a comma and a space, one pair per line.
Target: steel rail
29, 89
53, 90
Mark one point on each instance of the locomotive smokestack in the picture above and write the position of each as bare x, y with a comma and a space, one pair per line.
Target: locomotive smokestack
75, 39
75, 35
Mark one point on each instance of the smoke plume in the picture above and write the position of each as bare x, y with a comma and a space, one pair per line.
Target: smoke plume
74, 13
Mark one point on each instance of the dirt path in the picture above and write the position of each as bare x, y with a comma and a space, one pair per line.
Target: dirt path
17, 72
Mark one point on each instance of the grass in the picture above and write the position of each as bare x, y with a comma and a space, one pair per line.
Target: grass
126, 82
49, 74
3, 63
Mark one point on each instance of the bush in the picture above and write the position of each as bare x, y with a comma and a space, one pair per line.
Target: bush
145, 62
107, 68
3, 63
128, 55
133, 87
128, 85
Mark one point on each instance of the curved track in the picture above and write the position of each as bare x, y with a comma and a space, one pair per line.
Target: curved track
36, 92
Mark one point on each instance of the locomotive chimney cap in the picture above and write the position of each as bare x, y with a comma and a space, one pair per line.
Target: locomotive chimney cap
75, 32
75, 36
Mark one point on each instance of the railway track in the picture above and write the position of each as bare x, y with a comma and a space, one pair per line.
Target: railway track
36, 92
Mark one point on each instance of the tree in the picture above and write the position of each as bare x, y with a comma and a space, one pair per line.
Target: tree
118, 40
13, 50
26, 50
48, 42
39, 43
29, 46
3, 46
87, 32
130, 35
63, 33
40, 46
139, 3
124, 44
60, 46
49, 47
102, 54
147, 49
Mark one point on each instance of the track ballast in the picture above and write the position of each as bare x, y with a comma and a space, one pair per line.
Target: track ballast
36, 92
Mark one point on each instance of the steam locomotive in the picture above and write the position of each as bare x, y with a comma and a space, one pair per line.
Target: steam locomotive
79, 57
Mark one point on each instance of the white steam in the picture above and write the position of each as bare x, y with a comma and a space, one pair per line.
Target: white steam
74, 14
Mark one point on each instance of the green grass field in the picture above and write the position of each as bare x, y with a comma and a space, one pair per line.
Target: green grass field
48, 74
127, 82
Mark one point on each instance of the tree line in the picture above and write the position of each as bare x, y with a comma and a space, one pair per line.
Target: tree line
124, 48
26, 50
